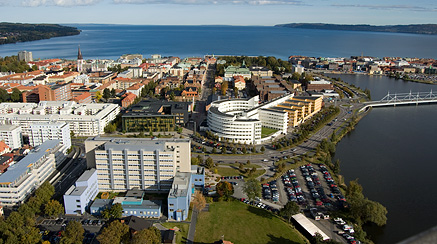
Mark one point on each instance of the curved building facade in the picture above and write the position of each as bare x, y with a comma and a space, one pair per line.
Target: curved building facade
241, 120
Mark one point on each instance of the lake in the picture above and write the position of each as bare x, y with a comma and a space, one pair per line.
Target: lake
112, 41
391, 152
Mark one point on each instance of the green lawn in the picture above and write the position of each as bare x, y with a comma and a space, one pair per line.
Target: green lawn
181, 235
267, 131
241, 223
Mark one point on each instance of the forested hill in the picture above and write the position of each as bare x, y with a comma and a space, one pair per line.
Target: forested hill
430, 29
16, 32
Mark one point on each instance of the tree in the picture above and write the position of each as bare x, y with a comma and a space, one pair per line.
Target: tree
263, 149
199, 201
113, 92
241, 167
98, 96
248, 162
147, 236
114, 212
336, 167
199, 159
110, 128
290, 209
194, 161
214, 150
234, 150
16, 95
73, 233
252, 188
225, 189
224, 150
53, 208
106, 93
209, 163
115, 232
295, 76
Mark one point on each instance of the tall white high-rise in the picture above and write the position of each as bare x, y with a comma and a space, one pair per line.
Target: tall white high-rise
25, 56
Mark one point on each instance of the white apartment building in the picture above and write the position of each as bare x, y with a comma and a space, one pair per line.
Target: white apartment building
86, 119
149, 164
241, 120
11, 135
23, 177
79, 196
39, 133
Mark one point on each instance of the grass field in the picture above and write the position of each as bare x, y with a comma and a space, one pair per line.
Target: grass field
181, 235
243, 224
267, 131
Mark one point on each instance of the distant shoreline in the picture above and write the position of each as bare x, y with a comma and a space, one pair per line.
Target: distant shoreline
16, 32
424, 29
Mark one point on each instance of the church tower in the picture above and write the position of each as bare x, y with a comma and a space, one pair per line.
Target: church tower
80, 61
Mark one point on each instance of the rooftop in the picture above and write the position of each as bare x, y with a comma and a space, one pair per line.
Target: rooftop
24, 165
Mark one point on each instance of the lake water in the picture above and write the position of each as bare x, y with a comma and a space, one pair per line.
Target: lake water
112, 41
392, 153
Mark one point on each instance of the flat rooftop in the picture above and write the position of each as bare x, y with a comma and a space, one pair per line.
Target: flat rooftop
22, 166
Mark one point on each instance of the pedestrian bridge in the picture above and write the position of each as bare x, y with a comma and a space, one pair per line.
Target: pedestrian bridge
403, 99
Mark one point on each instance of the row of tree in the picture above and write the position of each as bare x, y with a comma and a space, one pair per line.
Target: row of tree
272, 63
20, 226
11, 64
15, 96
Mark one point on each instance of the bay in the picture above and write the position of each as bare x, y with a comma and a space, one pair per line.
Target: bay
112, 41
392, 154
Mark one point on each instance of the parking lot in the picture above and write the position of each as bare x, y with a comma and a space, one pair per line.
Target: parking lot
51, 228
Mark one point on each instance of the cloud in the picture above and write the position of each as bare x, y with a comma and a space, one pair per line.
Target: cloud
212, 2
387, 7
61, 3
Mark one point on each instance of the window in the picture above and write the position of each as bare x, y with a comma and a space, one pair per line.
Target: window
78, 200
78, 206
171, 204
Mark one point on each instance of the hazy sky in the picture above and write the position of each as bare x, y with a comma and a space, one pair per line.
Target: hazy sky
219, 12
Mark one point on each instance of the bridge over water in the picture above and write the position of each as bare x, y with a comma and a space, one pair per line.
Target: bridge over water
403, 99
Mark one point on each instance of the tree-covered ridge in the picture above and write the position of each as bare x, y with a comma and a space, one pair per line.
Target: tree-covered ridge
17, 32
429, 29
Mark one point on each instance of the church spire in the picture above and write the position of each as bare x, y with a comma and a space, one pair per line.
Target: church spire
79, 54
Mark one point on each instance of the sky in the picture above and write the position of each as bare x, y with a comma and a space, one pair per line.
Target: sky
219, 12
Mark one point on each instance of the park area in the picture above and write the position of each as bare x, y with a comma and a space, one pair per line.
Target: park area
242, 223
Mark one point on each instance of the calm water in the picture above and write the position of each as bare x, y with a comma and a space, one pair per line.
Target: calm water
392, 153
112, 41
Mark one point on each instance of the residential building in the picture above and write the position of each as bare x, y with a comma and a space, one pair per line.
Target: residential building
156, 116
5, 161
4, 148
22, 178
58, 92
80, 195
128, 99
319, 85
260, 71
239, 83
84, 119
11, 135
25, 56
126, 163
41, 132
84, 97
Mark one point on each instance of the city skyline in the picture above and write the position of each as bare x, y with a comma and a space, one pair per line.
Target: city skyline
211, 12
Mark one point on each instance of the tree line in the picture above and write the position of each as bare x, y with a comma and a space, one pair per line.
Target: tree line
17, 32
11, 64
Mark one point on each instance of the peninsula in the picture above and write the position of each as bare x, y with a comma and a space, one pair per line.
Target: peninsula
429, 29
17, 32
